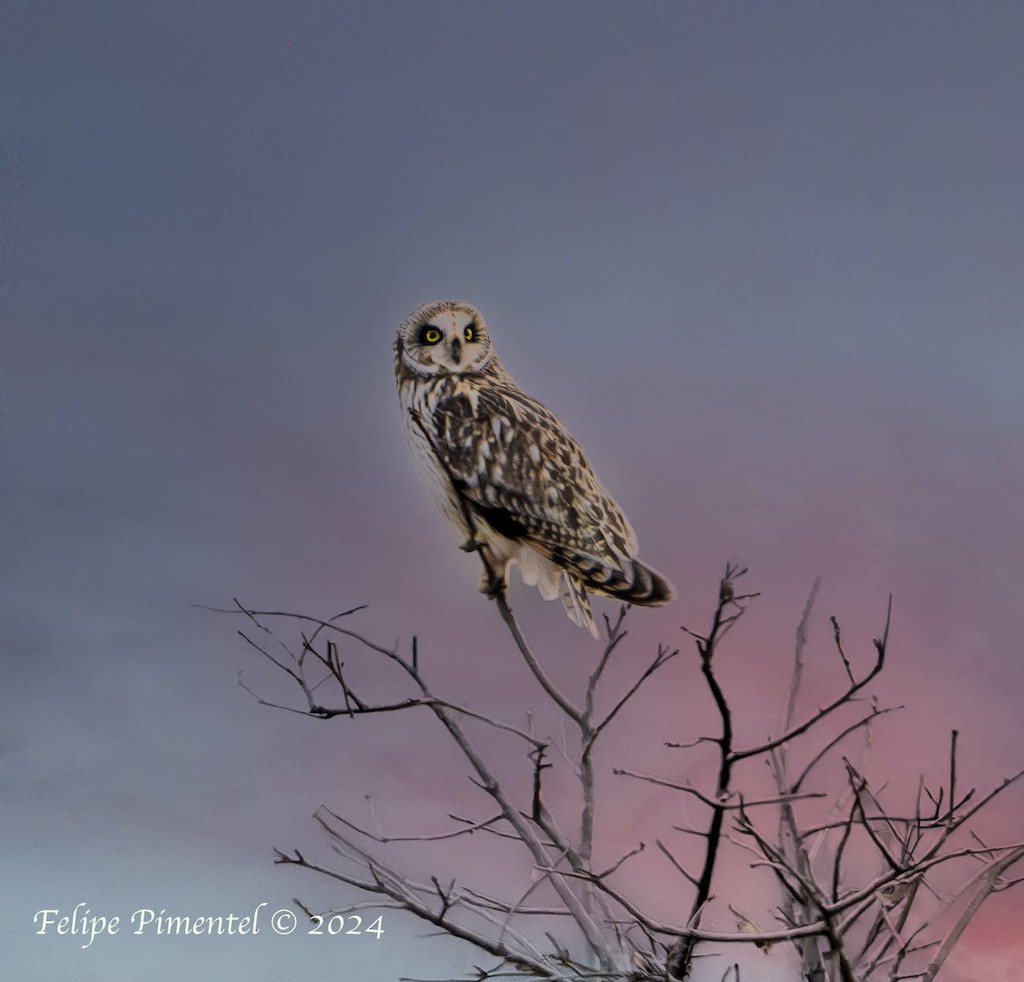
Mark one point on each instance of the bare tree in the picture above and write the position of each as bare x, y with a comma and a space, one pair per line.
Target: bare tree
866, 891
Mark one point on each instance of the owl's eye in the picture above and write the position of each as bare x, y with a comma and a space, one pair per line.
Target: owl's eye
430, 334
470, 332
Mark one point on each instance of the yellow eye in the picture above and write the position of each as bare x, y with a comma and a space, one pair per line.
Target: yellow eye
470, 332
430, 335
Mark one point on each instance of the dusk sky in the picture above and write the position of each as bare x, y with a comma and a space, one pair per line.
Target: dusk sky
766, 261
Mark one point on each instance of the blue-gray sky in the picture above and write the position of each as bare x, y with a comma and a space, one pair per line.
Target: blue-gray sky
765, 260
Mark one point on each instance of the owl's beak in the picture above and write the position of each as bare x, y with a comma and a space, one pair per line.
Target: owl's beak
455, 350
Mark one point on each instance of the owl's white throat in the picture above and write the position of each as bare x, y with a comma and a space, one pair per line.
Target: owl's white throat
427, 370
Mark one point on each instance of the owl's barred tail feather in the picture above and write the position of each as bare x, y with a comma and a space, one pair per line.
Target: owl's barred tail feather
634, 583
637, 584
640, 585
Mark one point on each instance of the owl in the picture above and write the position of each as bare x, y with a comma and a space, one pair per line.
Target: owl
506, 474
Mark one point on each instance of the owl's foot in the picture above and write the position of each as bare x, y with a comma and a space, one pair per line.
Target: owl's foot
492, 585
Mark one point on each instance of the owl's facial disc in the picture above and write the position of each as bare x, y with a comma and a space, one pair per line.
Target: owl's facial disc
452, 340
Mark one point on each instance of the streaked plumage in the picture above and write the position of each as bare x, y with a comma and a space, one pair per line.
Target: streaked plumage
484, 446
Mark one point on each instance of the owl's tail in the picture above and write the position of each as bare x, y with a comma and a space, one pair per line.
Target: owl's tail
635, 583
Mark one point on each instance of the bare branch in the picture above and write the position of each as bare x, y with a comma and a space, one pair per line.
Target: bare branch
827, 710
663, 656
675, 862
798, 656
838, 738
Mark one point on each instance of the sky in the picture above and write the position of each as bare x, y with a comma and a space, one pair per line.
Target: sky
764, 260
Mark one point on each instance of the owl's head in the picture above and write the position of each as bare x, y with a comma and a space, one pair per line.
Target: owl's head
446, 337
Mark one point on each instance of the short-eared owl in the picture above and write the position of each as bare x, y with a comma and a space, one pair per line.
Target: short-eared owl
505, 472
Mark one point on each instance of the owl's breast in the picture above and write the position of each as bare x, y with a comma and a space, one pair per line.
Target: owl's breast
421, 399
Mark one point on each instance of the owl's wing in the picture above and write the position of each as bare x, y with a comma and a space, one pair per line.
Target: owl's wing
519, 469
